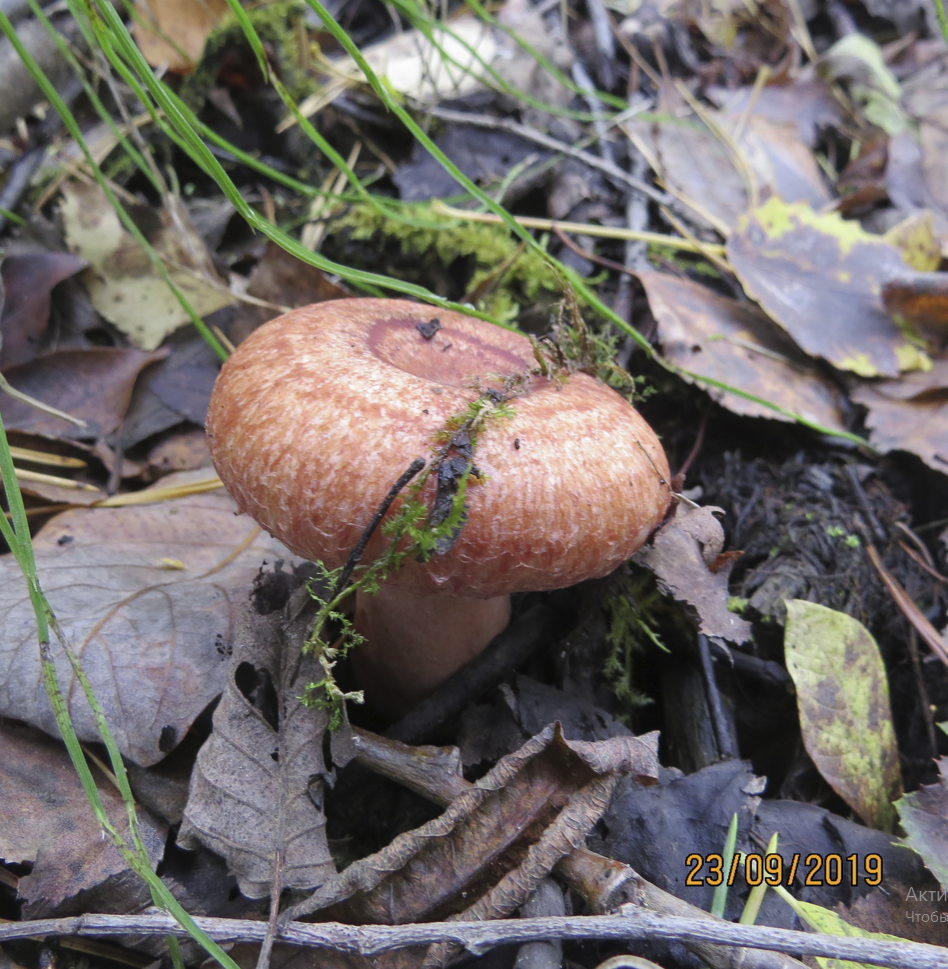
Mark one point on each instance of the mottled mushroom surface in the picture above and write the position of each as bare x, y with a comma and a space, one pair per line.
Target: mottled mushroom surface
319, 411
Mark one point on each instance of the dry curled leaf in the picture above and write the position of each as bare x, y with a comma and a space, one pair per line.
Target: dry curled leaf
681, 556
153, 638
45, 820
736, 343
256, 785
495, 842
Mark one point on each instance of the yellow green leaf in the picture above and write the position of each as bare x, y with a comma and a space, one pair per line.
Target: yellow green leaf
843, 702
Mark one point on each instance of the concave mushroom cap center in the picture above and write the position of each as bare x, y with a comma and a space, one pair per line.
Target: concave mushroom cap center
449, 356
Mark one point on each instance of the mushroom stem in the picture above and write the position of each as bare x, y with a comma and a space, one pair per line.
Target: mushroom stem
414, 643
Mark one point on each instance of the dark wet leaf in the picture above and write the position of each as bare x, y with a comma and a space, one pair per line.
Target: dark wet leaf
920, 385
257, 783
919, 424
843, 701
45, 820
807, 269
924, 817
738, 344
654, 829
185, 380
484, 156
680, 556
93, 385
28, 282
148, 596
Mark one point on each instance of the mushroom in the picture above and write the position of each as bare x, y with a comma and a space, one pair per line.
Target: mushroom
319, 411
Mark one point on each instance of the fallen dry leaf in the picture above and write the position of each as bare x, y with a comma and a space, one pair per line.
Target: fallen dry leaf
918, 425
915, 238
918, 172
92, 385
883, 910
738, 344
924, 816
282, 279
121, 280
503, 835
154, 640
680, 555
27, 285
257, 781
919, 384
806, 103
717, 171
807, 269
922, 299
172, 33
843, 702
45, 820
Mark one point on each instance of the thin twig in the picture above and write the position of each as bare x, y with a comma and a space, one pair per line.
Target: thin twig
696, 447
51, 479
477, 937
911, 611
918, 560
583, 228
530, 134
591, 256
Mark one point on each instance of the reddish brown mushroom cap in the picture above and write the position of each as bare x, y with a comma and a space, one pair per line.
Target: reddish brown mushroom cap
319, 411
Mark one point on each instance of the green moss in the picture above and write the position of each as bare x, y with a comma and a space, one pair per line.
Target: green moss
674, 257
506, 277
279, 25
737, 604
633, 629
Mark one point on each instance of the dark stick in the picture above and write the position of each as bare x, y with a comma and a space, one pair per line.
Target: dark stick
696, 447
356, 554
718, 719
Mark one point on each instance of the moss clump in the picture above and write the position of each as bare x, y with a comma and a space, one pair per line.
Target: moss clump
633, 629
521, 276
280, 25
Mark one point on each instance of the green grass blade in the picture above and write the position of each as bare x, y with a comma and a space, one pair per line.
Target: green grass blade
719, 900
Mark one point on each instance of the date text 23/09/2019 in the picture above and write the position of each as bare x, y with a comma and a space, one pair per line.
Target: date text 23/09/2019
814, 870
